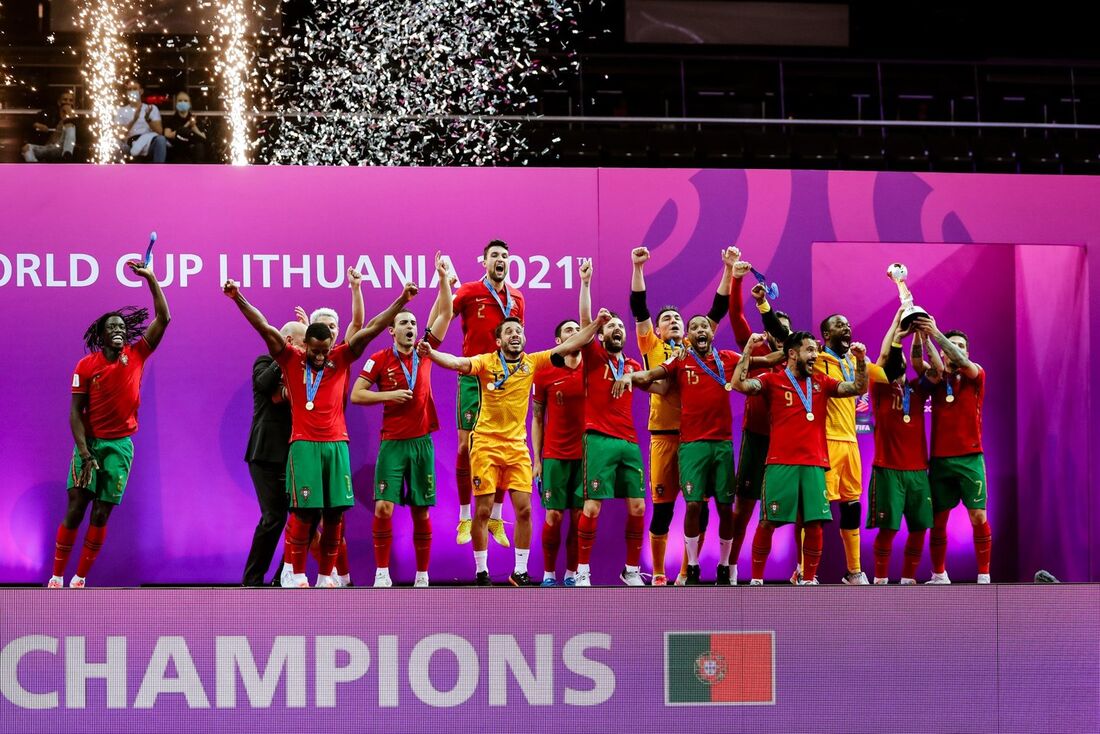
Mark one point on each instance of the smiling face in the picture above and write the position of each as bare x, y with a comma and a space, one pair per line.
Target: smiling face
114, 333
614, 335
511, 340
805, 356
700, 334
404, 331
496, 264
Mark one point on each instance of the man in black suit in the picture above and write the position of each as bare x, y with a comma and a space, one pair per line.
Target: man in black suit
268, 444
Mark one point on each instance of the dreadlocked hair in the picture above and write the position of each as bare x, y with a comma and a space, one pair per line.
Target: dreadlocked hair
132, 316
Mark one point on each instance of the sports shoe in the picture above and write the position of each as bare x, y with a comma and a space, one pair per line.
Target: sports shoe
583, 579
881, 582
631, 578
420, 582
520, 579
811, 582
345, 580
692, 576
496, 529
855, 579
336, 579
298, 581
382, 580
570, 581
722, 575
939, 578
756, 582
76, 582
548, 582
286, 578
983, 578
482, 579
908, 582
660, 580
55, 582
680, 581
796, 577
464, 528
326, 582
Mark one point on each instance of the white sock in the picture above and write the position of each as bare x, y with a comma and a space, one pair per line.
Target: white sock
633, 569
381, 573
463, 512
521, 559
288, 568
498, 511
692, 546
345, 579
570, 574
481, 560
582, 568
421, 576
77, 578
725, 547
550, 575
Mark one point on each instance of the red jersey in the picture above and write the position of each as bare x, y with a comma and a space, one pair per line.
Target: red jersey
560, 390
705, 413
756, 418
113, 390
417, 417
957, 426
481, 314
795, 440
899, 445
326, 421
604, 414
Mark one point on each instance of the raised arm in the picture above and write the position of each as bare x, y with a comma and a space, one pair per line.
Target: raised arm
741, 329
890, 337
638, 308
933, 371
443, 359
586, 292
740, 379
961, 361
358, 310
772, 324
858, 386
720, 304
272, 338
161, 317
439, 320
358, 342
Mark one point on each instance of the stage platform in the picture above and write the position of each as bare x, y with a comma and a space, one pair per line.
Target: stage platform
961, 658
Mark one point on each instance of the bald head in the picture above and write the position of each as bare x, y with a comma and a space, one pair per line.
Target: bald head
295, 333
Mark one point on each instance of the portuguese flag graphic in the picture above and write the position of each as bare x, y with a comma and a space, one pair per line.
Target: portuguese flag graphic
719, 668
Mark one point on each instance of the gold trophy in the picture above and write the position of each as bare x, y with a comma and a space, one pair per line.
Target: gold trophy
898, 273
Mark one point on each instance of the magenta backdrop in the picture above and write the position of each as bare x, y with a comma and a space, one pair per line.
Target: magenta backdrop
190, 508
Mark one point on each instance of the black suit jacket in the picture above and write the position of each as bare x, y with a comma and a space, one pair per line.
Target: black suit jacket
269, 437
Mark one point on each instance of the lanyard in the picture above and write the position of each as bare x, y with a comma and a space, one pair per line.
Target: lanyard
410, 376
805, 397
847, 369
720, 375
617, 368
505, 306
312, 385
507, 373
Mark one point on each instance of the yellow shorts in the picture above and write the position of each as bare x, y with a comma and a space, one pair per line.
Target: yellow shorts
844, 480
498, 465
664, 467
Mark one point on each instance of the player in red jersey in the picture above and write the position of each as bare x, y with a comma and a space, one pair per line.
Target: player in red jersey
106, 393
957, 469
482, 305
405, 470
794, 481
318, 468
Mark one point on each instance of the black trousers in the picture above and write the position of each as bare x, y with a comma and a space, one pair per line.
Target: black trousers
270, 482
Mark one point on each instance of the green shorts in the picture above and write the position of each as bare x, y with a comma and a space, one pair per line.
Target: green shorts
706, 470
318, 475
788, 488
895, 493
114, 456
468, 402
405, 472
560, 487
957, 478
612, 468
751, 464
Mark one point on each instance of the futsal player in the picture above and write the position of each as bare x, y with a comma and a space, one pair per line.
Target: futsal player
405, 469
106, 392
481, 305
499, 459
658, 341
318, 467
957, 468
798, 456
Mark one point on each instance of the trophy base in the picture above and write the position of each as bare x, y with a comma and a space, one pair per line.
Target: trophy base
910, 314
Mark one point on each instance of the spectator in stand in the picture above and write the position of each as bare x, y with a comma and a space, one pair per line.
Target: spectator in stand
57, 130
184, 132
140, 127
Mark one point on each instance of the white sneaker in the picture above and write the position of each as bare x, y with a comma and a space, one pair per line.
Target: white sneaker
983, 578
733, 574
345, 580
631, 578
796, 576
336, 579
583, 579
855, 579
76, 582
286, 577
811, 582
55, 582
421, 581
881, 582
326, 582
681, 580
939, 578
756, 582
908, 582
298, 581
382, 580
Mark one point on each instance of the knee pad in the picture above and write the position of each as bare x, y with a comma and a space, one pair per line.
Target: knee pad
662, 518
850, 515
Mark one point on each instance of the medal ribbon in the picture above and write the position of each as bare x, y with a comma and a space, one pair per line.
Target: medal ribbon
410, 377
617, 368
506, 307
312, 385
507, 373
947, 382
906, 395
805, 397
720, 375
847, 369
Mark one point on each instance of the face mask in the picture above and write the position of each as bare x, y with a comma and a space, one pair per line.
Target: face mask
183, 106
133, 95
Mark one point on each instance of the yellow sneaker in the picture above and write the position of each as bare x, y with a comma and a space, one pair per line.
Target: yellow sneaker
496, 529
464, 527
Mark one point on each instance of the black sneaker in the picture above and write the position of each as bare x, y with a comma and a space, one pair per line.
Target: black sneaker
692, 576
722, 576
520, 579
483, 579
